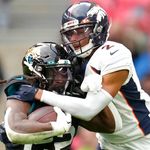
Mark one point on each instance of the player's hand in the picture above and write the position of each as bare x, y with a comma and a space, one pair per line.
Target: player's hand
25, 92
92, 83
63, 121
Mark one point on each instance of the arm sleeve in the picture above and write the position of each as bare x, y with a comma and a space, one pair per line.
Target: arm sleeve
84, 109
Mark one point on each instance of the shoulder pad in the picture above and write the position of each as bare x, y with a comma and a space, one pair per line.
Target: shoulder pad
14, 83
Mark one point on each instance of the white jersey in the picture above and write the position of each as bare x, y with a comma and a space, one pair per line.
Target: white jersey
131, 101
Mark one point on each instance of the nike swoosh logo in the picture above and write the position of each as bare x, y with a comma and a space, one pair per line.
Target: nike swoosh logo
111, 53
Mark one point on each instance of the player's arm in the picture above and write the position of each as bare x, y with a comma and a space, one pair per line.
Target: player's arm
17, 119
17, 110
95, 101
108, 120
21, 130
112, 82
18, 128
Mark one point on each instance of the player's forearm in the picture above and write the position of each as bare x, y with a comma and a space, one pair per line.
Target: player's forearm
30, 126
24, 135
84, 109
20, 122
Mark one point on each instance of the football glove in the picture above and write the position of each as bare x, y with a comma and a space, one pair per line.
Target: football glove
63, 121
92, 83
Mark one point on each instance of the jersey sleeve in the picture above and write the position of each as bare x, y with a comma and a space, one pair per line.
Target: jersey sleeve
112, 57
13, 85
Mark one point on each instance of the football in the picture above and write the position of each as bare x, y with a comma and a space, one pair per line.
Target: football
43, 114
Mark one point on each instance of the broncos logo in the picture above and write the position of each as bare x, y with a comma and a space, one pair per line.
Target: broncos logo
96, 10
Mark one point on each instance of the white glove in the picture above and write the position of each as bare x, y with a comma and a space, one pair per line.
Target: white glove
92, 83
63, 122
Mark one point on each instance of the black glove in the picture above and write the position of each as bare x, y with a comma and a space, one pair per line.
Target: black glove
25, 93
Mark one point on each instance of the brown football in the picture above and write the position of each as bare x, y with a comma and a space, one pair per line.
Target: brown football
43, 114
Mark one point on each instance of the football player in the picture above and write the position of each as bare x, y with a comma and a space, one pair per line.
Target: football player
109, 77
44, 66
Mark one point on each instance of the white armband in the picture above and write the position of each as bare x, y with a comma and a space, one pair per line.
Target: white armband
84, 109
116, 115
30, 138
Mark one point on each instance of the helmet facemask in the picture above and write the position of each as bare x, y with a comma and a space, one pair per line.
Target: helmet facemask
57, 77
81, 46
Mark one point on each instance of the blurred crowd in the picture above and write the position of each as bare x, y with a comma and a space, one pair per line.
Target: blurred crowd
130, 26
5, 18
